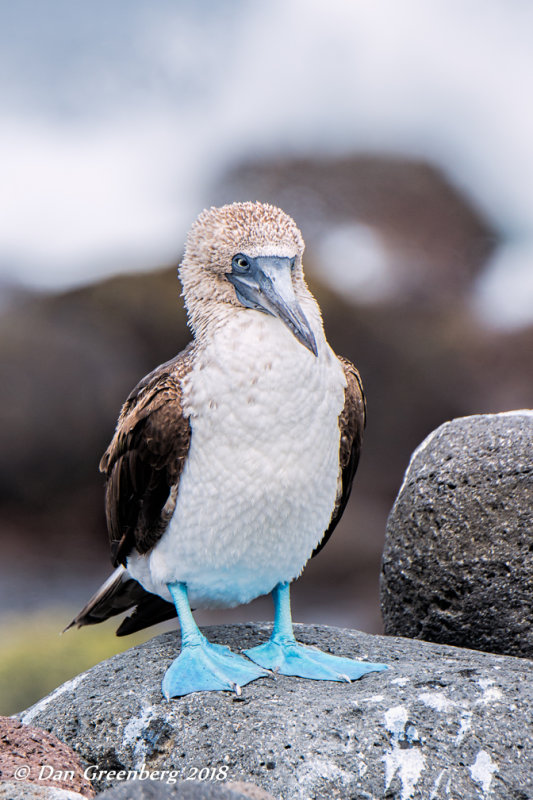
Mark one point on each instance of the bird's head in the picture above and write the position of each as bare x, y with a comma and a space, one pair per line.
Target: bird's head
246, 255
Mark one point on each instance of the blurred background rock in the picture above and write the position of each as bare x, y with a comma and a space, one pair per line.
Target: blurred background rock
398, 137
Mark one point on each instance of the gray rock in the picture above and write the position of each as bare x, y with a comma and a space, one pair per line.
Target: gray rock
457, 564
32, 791
455, 723
250, 790
30, 755
150, 790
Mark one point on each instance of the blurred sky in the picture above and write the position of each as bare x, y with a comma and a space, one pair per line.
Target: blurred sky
118, 116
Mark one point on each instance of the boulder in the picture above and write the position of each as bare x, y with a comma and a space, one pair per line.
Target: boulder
194, 790
457, 564
32, 791
441, 722
39, 762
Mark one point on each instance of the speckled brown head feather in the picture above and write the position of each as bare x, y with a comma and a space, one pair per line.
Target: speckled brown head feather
244, 226
214, 238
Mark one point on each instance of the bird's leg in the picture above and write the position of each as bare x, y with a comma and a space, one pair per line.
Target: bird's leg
202, 666
283, 654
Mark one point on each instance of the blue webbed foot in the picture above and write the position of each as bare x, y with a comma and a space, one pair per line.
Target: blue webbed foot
208, 667
288, 657
202, 666
283, 654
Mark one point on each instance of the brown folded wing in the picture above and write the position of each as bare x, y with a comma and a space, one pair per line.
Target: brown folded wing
145, 459
352, 423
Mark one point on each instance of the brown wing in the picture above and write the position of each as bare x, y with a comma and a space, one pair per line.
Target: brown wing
145, 459
352, 423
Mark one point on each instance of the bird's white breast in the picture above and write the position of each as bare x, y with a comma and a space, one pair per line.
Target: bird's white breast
260, 482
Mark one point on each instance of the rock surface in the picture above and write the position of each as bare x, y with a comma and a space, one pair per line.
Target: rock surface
32, 791
32, 756
441, 722
150, 790
458, 565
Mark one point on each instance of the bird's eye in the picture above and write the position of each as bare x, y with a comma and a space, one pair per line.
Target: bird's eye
240, 263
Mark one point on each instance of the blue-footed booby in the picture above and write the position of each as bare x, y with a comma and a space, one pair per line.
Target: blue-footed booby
232, 463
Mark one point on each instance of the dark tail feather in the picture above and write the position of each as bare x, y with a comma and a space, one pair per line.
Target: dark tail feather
119, 593
150, 610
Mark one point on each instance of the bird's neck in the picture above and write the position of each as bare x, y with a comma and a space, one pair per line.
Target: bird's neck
209, 319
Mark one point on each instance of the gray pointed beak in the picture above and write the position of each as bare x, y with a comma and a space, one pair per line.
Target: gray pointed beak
266, 285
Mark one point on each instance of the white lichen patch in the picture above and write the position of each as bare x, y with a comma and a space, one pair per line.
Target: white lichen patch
349, 739
28, 716
436, 785
406, 761
362, 768
483, 769
400, 681
314, 771
491, 693
437, 701
133, 738
395, 719
374, 698
408, 764
465, 724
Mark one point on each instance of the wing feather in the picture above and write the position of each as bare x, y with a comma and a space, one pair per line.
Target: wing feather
144, 460
352, 421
